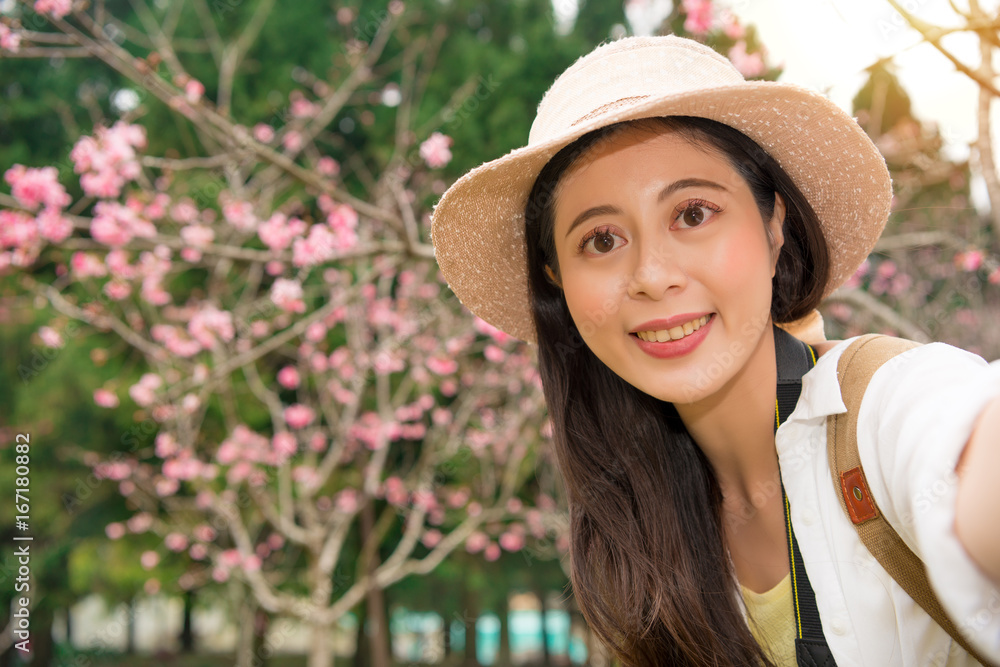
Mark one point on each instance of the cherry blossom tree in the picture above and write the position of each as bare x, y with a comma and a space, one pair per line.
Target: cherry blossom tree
310, 385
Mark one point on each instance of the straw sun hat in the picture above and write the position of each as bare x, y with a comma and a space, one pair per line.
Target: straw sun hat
478, 225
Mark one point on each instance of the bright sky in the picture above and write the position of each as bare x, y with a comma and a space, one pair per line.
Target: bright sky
827, 44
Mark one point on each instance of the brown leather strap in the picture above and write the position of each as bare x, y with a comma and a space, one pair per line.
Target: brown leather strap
857, 365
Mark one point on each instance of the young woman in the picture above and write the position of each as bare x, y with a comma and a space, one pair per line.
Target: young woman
663, 218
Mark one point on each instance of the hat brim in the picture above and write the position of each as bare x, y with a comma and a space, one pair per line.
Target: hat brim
477, 227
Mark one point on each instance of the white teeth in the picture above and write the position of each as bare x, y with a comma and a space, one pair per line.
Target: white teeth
675, 333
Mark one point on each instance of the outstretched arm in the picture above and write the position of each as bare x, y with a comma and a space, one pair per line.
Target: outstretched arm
977, 505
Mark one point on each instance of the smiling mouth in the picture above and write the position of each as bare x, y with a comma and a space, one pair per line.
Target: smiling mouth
674, 333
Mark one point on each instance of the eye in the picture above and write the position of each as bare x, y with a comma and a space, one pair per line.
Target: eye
600, 241
695, 213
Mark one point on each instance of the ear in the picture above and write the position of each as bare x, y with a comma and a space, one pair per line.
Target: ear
553, 278
776, 230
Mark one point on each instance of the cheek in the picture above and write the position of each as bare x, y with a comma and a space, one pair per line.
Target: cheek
593, 300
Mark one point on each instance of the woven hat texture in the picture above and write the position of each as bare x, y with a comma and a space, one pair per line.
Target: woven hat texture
477, 227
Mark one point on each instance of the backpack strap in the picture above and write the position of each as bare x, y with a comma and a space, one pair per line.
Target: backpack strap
857, 366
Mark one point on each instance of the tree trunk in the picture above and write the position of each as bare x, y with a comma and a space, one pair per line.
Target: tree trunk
187, 630
129, 628
471, 606
503, 655
245, 641
375, 616
261, 622
42, 649
362, 649
546, 659
320, 646
446, 636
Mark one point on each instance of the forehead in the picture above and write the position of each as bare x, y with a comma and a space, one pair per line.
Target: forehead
637, 155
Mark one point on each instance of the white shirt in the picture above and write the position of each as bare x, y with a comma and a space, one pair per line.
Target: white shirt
915, 418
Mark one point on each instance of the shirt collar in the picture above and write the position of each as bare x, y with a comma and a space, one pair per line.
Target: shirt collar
821, 395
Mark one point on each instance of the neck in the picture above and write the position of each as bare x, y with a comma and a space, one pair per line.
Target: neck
734, 427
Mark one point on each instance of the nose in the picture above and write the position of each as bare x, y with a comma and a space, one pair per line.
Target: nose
658, 270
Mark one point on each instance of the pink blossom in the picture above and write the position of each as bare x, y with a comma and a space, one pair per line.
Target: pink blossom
299, 416
431, 538
275, 541
9, 40
198, 236
319, 247
251, 563
166, 487
492, 552
287, 295
442, 366
175, 542
203, 533
210, 325
166, 445
749, 65
317, 442
476, 542
140, 523
115, 531
116, 225
307, 476
277, 233
284, 445
198, 551
327, 166
288, 377
343, 220
347, 501
512, 541
395, 491
303, 108
240, 215
107, 160
53, 225
182, 469
731, 25
184, 211
435, 150
484, 327
85, 265
970, 260
113, 470
50, 337
263, 133
193, 90
56, 8
292, 141
105, 398
220, 574
699, 16
32, 187
494, 354
230, 558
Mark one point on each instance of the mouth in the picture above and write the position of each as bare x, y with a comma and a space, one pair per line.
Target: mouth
674, 333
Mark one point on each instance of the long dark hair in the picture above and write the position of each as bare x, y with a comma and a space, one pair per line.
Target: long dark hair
649, 564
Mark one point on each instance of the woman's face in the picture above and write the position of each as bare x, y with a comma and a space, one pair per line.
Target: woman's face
665, 262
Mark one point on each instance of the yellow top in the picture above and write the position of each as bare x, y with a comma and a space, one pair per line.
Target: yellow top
772, 621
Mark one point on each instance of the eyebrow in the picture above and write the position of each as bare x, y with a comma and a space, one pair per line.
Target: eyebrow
607, 209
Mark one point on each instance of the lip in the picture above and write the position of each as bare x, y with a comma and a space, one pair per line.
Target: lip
669, 323
673, 348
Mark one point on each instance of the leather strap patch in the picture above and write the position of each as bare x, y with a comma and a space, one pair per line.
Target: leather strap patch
857, 496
